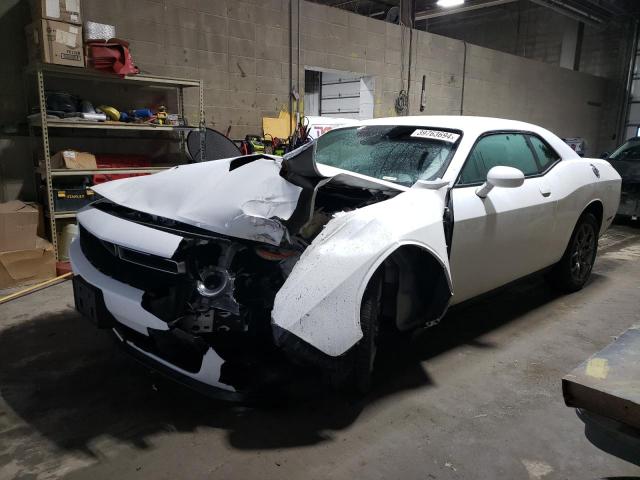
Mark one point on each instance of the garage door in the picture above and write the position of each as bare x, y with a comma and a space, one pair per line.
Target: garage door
340, 95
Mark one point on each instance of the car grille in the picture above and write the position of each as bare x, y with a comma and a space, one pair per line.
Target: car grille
134, 268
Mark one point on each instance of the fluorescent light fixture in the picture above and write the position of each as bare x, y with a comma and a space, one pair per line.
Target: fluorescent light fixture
449, 3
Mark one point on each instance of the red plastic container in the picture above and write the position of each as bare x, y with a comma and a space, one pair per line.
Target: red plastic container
119, 161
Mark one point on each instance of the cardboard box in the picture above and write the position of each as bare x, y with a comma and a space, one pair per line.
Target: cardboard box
18, 226
38, 206
24, 267
74, 160
61, 10
55, 42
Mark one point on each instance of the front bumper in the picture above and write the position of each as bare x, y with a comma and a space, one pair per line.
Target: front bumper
178, 355
121, 305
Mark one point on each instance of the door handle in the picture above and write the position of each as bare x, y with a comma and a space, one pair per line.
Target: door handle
545, 190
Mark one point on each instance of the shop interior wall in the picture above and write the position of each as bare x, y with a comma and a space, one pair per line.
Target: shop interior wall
241, 51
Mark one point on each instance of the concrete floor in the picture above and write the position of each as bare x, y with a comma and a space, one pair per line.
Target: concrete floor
477, 397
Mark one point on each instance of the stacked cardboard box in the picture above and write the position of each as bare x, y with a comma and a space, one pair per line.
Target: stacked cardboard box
25, 258
55, 36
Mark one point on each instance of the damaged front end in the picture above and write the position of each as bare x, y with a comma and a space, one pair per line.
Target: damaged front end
268, 261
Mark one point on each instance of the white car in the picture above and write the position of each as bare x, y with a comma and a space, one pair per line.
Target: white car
206, 270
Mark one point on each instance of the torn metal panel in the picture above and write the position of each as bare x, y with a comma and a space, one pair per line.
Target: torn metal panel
320, 300
247, 202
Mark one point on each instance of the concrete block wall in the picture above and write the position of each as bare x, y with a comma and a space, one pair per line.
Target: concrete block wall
241, 50
566, 102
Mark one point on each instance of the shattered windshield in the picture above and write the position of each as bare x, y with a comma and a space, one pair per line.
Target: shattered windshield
399, 154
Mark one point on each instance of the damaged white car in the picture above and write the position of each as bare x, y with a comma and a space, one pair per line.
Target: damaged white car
204, 270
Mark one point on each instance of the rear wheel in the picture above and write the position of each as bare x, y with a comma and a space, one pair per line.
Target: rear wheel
354, 372
573, 270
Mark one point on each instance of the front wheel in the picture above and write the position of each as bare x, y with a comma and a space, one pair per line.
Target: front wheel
574, 268
354, 372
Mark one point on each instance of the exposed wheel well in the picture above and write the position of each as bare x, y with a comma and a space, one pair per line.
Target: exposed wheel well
415, 288
597, 210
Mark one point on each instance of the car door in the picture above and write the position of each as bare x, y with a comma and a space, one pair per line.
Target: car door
506, 235
626, 161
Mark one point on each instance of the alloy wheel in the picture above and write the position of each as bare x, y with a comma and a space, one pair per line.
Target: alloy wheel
583, 252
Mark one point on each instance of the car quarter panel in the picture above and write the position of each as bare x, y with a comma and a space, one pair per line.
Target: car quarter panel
575, 184
320, 300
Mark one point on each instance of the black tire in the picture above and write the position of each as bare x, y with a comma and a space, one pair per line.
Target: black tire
353, 374
574, 268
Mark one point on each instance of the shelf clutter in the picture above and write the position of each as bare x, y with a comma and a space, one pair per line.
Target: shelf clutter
96, 118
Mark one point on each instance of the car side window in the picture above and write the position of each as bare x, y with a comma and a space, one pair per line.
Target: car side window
546, 154
628, 151
501, 149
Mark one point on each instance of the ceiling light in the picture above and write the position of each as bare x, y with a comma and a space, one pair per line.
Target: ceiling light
449, 3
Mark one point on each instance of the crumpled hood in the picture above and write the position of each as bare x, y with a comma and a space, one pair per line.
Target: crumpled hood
244, 198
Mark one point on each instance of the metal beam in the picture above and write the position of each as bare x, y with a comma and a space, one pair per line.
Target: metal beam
569, 11
467, 8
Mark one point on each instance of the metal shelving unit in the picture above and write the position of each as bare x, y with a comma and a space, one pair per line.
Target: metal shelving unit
40, 126
108, 125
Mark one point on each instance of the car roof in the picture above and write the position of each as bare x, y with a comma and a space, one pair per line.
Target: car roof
473, 126
457, 122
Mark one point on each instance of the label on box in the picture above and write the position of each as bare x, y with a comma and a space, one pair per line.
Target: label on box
72, 6
74, 17
52, 8
68, 38
69, 154
73, 30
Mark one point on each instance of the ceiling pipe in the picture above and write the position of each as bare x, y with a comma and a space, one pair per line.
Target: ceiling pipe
466, 8
570, 11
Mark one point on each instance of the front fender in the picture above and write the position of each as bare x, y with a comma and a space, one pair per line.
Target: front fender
320, 300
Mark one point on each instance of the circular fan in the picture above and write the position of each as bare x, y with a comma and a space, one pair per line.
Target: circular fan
216, 146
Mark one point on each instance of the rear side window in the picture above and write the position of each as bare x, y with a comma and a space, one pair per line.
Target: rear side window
502, 149
546, 155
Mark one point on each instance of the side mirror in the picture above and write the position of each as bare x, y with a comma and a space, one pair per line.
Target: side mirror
505, 177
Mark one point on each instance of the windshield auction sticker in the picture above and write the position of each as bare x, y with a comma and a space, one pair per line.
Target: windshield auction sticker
436, 135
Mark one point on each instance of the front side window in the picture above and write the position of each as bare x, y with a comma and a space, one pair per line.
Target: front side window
399, 154
501, 149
